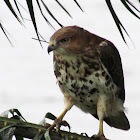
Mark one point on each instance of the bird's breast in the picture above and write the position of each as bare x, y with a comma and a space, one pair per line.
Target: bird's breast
83, 80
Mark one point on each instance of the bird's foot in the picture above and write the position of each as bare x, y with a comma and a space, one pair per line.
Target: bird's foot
58, 123
98, 137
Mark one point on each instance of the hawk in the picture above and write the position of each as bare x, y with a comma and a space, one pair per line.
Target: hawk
89, 73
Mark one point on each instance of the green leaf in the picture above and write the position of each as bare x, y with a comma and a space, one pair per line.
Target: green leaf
117, 21
133, 6
63, 8
47, 136
18, 8
6, 127
47, 9
125, 3
38, 136
12, 10
50, 116
31, 11
7, 134
78, 5
17, 116
12, 111
5, 33
43, 14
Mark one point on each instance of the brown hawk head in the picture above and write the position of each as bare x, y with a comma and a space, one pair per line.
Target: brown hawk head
73, 40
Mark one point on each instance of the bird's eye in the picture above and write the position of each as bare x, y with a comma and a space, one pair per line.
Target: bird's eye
65, 40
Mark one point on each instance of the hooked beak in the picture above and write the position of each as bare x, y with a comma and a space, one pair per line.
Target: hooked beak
50, 47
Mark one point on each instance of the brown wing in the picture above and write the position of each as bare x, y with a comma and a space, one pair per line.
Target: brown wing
110, 58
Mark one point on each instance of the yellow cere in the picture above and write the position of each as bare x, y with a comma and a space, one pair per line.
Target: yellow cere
51, 43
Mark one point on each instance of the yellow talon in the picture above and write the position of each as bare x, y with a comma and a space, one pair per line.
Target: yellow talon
57, 122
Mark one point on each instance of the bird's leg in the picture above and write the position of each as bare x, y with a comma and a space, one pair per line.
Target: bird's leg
101, 110
101, 128
58, 122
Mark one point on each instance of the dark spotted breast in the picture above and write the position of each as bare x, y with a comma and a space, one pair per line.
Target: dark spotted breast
83, 80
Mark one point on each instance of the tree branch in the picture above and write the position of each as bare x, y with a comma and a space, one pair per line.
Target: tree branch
30, 130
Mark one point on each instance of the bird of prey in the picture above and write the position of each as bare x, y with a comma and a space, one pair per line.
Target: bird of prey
89, 73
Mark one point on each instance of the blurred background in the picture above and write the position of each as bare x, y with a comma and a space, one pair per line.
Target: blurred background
27, 81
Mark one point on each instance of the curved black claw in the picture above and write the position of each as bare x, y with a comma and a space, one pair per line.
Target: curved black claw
58, 123
66, 124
